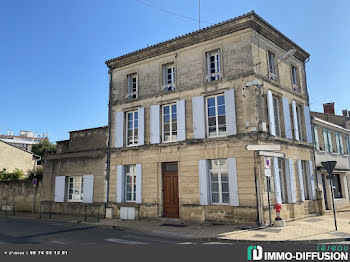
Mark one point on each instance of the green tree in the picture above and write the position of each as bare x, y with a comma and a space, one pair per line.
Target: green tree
43, 147
17, 174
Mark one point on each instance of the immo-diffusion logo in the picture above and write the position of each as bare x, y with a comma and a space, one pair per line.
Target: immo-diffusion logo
255, 253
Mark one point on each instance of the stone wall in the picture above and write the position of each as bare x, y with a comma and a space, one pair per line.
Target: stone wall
21, 192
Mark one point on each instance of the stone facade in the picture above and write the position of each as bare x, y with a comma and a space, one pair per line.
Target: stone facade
83, 154
243, 45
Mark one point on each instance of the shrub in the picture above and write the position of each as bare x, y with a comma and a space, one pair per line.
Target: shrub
17, 174
31, 173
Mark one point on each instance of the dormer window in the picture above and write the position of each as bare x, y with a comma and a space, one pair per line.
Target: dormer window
132, 86
213, 65
169, 77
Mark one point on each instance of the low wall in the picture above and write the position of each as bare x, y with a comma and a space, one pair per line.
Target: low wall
21, 192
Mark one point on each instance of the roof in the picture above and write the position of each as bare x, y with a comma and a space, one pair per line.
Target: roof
255, 21
87, 129
38, 157
330, 124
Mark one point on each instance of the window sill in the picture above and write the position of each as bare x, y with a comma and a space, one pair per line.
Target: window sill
134, 145
74, 201
219, 204
172, 141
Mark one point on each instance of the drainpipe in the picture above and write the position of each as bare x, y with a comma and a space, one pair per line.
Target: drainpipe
109, 138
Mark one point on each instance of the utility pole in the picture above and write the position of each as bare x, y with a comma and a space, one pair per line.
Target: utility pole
199, 14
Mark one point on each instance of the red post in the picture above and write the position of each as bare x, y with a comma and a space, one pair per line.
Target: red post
278, 208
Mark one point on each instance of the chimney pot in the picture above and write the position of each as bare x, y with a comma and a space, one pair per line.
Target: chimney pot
328, 108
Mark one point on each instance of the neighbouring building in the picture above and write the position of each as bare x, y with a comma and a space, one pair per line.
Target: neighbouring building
25, 140
12, 157
332, 144
183, 112
75, 174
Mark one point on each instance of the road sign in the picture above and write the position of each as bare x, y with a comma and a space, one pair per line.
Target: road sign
268, 172
263, 147
329, 166
35, 182
272, 154
267, 163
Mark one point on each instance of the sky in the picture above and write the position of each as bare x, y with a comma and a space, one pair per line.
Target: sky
53, 76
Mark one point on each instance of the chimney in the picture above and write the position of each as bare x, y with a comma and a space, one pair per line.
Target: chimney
11, 132
8, 132
328, 108
345, 112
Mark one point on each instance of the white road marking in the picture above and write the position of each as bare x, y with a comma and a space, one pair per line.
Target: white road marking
59, 242
124, 241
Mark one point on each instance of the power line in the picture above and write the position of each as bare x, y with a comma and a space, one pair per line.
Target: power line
172, 13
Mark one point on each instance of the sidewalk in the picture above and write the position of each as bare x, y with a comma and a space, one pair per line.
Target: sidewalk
313, 229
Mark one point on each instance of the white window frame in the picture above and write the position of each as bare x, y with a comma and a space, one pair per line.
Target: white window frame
132, 143
80, 189
133, 183
219, 171
217, 65
298, 109
170, 123
276, 103
169, 86
134, 86
216, 116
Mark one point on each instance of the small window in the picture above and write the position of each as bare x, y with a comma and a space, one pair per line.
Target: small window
213, 66
337, 187
132, 86
169, 123
75, 188
299, 122
306, 184
219, 187
272, 66
295, 78
169, 77
276, 109
130, 183
132, 128
216, 118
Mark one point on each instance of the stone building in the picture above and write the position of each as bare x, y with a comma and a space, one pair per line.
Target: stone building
183, 112
75, 174
332, 143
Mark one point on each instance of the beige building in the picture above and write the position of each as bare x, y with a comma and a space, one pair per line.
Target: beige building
12, 157
75, 174
183, 112
332, 144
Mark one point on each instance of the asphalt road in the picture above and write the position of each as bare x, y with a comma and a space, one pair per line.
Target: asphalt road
14, 230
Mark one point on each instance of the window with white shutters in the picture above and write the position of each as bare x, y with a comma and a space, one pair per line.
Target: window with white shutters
169, 123
75, 188
132, 128
216, 116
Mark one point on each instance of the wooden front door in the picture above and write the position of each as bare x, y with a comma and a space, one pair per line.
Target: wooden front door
170, 190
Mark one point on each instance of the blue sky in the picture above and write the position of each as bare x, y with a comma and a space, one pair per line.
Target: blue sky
52, 72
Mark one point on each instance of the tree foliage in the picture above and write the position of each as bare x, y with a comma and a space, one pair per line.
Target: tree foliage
43, 147
17, 174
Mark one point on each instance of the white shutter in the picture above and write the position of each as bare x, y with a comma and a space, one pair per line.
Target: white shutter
141, 126
330, 143
88, 188
311, 179
232, 181
120, 183
155, 124
317, 143
203, 172
287, 122
290, 181
301, 180
341, 144
181, 120
337, 142
129, 84
276, 179
231, 127
307, 118
165, 75
271, 113
198, 117
219, 61
208, 66
325, 140
295, 121
138, 183
119, 129
60, 183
